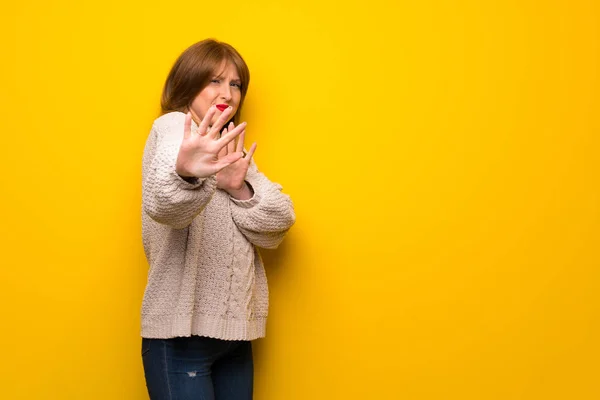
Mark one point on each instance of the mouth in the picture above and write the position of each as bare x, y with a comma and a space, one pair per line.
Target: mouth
222, 107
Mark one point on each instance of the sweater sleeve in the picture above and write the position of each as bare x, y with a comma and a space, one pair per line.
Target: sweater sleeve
166, 197
266, 217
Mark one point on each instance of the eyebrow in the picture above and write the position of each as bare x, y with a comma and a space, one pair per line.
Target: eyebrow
222, 77
236, 81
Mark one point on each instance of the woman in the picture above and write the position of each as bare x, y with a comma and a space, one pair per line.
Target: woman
206, 209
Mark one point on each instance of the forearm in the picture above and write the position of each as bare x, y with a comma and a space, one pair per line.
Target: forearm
169, 198
172, 201
265, 240
267, 211
266, 216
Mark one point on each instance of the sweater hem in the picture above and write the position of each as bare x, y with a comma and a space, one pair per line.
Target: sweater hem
159, 327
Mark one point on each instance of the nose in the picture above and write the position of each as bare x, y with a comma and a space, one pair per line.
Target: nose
226, 92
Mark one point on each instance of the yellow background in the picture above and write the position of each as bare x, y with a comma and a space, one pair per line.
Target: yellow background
443, 157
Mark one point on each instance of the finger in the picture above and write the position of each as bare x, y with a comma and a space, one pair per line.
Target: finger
240, 143
223, 118
231, 146
203, 127
231, 134
251, 152
187, 126
230, 127
226, 147
223, 152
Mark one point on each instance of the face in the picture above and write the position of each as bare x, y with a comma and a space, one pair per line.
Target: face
224, 89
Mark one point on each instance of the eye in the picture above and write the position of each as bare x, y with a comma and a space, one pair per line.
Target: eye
216, 81
237, 85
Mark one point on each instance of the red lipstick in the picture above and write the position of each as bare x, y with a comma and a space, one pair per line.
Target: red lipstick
222, 107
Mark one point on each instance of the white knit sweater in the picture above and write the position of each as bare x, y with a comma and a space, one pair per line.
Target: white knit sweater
206, 275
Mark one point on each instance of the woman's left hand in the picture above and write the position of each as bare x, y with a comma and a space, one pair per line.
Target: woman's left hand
232, 178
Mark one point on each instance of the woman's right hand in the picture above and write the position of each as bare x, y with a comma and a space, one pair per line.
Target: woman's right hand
198, 153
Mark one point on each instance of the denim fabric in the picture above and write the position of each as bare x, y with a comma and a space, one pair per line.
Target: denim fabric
198, 368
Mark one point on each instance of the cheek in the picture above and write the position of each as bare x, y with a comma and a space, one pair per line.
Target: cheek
235, 102
199, 107
237, 98
202, 102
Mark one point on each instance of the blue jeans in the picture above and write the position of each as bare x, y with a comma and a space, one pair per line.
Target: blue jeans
198, 368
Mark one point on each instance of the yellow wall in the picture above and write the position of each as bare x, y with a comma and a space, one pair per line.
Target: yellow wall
443, 157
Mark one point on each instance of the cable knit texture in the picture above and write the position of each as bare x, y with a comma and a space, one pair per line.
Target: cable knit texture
206, 275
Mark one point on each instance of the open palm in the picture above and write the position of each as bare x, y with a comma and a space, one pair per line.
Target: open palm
199, 151
232, 177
